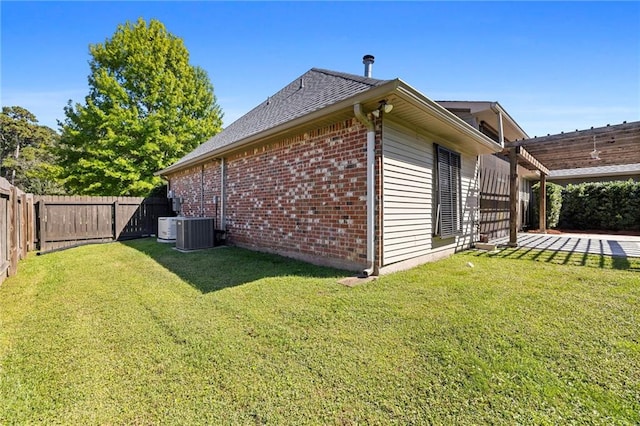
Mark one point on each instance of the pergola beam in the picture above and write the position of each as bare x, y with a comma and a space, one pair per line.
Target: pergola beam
616, 130
526, 160
524, 155
617, 145
520, 156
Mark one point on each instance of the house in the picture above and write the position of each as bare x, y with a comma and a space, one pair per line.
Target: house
346, 171
491, 119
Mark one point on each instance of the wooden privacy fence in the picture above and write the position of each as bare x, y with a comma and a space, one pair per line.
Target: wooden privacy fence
32, 222
17, 227
68, 221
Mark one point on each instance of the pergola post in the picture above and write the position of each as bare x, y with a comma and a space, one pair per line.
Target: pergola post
542, 203
513, 197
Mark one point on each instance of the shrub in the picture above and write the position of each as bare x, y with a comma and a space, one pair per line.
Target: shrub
610, 206
554, 203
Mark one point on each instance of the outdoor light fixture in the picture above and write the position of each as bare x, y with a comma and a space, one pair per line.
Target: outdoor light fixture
384, 106
595, 154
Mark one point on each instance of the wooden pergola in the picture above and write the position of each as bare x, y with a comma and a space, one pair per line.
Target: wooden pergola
613, 145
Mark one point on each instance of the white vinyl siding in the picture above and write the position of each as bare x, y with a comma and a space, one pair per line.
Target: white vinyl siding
407, 163
408, 205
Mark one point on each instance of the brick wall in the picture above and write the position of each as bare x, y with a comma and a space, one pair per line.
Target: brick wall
197, 186
303, 196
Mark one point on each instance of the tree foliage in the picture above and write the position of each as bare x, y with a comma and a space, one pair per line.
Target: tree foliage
147, 107
27, 149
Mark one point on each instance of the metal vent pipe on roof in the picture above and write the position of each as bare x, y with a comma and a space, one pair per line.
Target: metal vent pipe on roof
367, 60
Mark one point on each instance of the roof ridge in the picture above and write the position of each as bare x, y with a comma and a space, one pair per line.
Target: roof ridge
313, 91
354, 77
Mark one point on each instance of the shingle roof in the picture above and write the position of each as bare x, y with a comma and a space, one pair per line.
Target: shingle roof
314, 90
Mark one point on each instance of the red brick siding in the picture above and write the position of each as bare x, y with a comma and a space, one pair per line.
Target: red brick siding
304, 195
188, 184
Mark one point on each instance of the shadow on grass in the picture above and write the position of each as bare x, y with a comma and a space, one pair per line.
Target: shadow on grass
222, 267
570, 257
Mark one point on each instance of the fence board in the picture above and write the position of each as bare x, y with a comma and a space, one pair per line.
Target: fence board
29, 222
67, 221
5, 197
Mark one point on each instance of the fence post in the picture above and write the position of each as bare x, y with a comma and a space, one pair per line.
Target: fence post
41, 219
24, 230
13, 230
147, 209
115, 220
30, 222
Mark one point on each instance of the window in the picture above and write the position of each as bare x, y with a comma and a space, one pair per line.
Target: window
448, 197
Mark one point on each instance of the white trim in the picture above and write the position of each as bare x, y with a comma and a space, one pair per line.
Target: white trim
396, 86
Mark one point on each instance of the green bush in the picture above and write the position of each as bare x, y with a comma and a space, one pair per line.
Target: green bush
612, 206
554, 203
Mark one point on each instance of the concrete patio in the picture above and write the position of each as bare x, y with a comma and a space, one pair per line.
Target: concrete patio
599, 244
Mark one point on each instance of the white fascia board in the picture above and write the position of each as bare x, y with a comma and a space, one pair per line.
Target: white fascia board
444, 115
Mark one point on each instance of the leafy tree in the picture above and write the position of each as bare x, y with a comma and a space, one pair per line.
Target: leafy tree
19, 129
147, 107
27, 152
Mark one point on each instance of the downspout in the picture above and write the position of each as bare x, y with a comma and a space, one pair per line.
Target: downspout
494, 108
371, 175
223, 168
202, 191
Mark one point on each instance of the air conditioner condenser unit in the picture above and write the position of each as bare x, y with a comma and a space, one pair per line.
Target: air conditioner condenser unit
193, 233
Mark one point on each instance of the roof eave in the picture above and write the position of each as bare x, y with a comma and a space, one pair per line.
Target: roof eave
402, 89
510, 119
488, 145
376, 92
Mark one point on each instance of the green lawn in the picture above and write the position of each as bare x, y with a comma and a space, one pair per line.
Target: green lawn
138, 333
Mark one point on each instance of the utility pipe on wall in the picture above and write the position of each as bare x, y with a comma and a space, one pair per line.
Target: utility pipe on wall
223, 221
202, 191
371, 176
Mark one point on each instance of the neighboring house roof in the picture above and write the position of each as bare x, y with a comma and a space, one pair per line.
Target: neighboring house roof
320, 93
475, 112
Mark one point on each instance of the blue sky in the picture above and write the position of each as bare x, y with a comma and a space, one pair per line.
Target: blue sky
554, 66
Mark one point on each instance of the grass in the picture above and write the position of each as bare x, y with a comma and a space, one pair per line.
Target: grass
138, 333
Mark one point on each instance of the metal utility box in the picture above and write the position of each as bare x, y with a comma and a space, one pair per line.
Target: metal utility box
167, 229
